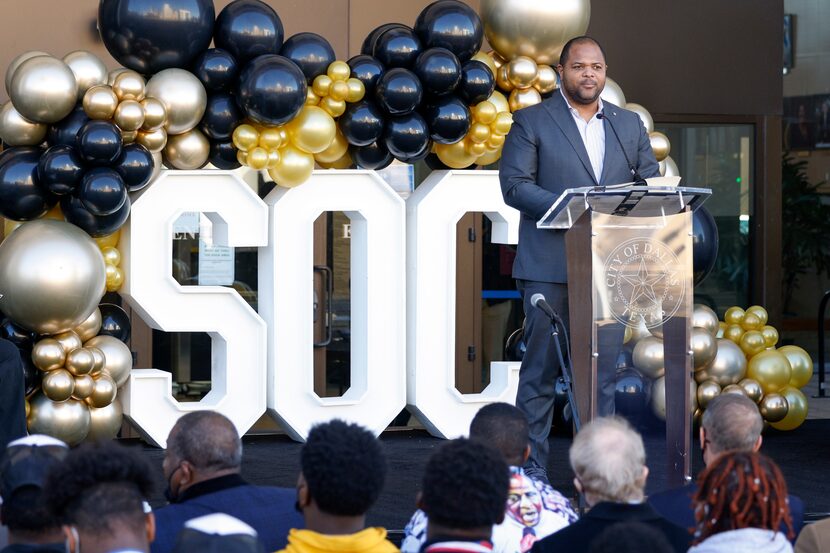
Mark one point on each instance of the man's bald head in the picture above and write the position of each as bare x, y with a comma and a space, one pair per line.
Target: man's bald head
207, 440
731, 422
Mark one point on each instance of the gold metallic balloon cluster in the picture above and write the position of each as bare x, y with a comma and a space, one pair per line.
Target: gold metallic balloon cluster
334, 89
82, 374
524, 80
112, 257
491, 121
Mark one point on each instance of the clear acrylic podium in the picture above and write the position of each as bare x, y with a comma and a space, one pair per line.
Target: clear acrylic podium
629, 256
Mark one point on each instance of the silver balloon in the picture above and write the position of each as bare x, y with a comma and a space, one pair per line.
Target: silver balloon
43, 89
612, 92
645, 116
16, 130
88, 69
658, 397
668, 168
752, 388
119, 359
729, 365
706, 392
90, 327
734, 389
186, 151
634, 334
704, 317
17, 61
105, 422
704, 347
68, 420
182, 94
648, 357
52, 276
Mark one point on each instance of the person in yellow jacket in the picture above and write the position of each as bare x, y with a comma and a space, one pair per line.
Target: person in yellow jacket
342, 473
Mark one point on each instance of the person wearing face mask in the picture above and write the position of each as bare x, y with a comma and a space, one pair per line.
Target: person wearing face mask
202, 470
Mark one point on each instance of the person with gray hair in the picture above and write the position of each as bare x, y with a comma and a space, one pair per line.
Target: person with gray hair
609, 463
730, 423
202, 467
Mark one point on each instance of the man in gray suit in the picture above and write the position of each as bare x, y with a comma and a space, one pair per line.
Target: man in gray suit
563, 143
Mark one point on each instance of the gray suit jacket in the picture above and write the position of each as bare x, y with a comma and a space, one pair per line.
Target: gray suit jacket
544, 155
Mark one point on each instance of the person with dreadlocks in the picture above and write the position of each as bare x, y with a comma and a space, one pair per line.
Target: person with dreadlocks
740, 505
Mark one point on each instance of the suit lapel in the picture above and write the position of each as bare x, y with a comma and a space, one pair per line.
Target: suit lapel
559, 112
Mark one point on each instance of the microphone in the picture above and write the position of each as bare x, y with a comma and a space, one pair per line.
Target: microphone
634, 174
538, 301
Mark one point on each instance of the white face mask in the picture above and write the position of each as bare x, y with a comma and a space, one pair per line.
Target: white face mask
76, 540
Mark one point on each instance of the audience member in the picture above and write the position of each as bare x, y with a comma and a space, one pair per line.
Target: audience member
98, 495
201, 467
814, 538
608, 459
23, 470
463, 495
740, 504
731, 422
534, 509
630, 537
217, 533
342, 473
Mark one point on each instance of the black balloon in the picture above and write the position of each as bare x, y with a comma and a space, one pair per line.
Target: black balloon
99, 142
448, 118
74, 211
217, 69
114, 322
423, 154
368, 46
438, 70
406, 136
477, 82
630, 395
312, 53
223, 155
272, 90
19, 336
247, 29
705, 244
221, 117
375, 156
136, 166
151, 35
102, 191
397, 47
399, 91
515, 346
32, 376
22, 198
367, 70
66, 130
60, 169
435, 163
452, 25
361, 123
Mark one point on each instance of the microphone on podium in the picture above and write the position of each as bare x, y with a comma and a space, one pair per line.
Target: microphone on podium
634, 174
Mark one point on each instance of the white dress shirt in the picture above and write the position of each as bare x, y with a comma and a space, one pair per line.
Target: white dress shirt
593, 136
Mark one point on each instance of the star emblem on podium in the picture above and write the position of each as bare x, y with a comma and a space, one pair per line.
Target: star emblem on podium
643, 284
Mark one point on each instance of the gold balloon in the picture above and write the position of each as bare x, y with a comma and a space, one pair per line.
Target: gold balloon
344, 162
495, 142
321, 85
475, 148
313, 130
339, 70
634, 334
109, 241
760, 312
269, 138
100, 360
648, 357
479, 133
357, 90
729, 365
69, 341
89, 327
773, 407
28, 407
333, 107
339, 90
18, 61
186, 151
538, 30
295, 167
502, 82
704, 346
454, 155
771, 369
734, 315
48, 354
752, 388
502, 105
155, 141
245, 137
645, 116
546, 79
706, 392
489, 158
103, 392
522, 72
485, 112
770, 335
119, 359
733, 333
658, 398
524, 98
733, 389
701, 376
129, 85
800, 363
659, 145
111, 256
242, 157
68, 420
503, 122
311, 99
84, 385
88, 69
128, 137
668, 168
105, 422
273, 158
336, 150
183, 96
721, 329
486, 60
115, 278
257, 158
80, 361
613, 93
100, 102
15, 130
155, 114
796, 409
58, 384
704, 317
751, 321
43, 89
752, 343
129, 115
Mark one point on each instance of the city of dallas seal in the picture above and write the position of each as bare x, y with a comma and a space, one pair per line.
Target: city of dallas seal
644, 281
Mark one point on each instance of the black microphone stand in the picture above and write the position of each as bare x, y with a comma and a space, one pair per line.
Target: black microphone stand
567, 374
